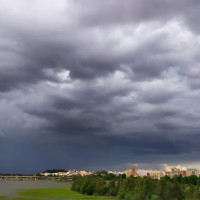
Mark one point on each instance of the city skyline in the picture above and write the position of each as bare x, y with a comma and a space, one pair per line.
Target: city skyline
99, 84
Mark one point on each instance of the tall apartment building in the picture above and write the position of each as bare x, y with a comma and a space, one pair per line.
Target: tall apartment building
191, 172
183, 173
175, 171
130, 171
156, 174
167, 173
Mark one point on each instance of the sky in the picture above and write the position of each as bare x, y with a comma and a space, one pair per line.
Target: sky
95, 85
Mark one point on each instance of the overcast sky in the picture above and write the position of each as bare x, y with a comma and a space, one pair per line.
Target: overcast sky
106, 84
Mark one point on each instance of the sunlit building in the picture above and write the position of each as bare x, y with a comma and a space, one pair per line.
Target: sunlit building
175, 171
85, 173
167, 173
156, 174
191, 172
183, 173
130, 171
45, 174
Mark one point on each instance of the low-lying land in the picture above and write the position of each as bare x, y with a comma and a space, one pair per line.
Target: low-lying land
64, 193
110, 187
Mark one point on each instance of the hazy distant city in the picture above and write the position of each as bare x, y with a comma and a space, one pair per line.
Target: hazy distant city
155, 174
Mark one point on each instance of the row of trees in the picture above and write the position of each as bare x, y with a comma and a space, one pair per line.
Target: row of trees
54, 170
137, 188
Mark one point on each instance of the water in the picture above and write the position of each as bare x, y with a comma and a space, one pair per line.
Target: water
8, 188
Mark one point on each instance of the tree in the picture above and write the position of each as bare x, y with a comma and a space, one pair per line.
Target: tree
164, 189
176, 189
193, 180
192, 193
109, 176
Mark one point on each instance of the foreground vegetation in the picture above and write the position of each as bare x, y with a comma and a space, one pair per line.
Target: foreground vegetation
110, 187
44, 193
137, 188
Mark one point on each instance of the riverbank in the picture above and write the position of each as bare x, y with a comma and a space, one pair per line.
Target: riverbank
10, 187
41, 190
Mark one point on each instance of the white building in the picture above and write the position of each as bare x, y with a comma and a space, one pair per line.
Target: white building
191, 172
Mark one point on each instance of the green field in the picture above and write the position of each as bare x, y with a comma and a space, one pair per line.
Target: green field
63, 193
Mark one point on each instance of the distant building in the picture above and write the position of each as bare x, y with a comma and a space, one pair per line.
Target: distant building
45, 174
167, 173
175, 171
130, 171
156, 174
85, 173
115, 173
191, 172
142, 172
62, 174
183, 173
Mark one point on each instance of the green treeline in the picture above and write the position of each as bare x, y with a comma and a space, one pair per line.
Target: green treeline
139, 188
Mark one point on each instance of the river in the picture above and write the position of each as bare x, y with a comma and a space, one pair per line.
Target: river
9, 188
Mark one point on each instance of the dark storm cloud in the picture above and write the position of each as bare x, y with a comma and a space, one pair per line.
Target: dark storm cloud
32, 46
115, 12
99, 84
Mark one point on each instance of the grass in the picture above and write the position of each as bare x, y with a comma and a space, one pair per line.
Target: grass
22, 198
63, 193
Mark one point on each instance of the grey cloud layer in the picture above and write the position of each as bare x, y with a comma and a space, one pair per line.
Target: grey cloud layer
108, 79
